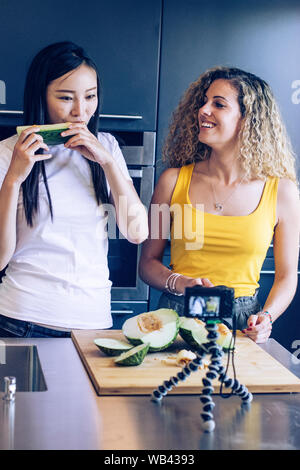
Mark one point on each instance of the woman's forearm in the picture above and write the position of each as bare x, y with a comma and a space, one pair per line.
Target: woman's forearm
131, 215
9, 195
281, 295
154, 273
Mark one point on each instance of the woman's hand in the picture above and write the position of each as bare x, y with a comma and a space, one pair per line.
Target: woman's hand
86, 143
131, 215
259, 328
183, 281
24, 157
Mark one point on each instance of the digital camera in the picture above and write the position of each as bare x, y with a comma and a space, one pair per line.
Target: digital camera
209, 303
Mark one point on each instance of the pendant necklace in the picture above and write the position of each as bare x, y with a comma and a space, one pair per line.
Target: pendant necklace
219, 206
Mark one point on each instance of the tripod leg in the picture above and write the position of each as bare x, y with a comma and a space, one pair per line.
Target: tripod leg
216, 354
167, 385
237, 388
206, 396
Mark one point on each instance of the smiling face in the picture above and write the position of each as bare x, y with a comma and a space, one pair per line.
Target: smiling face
220, 116
73, 96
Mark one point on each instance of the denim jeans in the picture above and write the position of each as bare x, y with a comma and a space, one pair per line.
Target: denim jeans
243, 307
9, 327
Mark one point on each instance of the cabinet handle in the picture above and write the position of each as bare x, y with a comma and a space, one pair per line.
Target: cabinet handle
135, 173
122, 312
106, 116
7, 111
120, 116
272, 272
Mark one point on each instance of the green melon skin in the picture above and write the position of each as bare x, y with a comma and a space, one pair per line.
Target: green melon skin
133, 357
195, 334
50, 133
112, 347
159, 339
187, 326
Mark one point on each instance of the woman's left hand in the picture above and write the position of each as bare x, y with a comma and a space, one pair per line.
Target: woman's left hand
259, 328
86, 143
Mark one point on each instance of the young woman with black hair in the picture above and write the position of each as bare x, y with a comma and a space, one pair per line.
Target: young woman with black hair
53, 201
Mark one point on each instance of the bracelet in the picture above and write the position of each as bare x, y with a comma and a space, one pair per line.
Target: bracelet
171, 282
265, 312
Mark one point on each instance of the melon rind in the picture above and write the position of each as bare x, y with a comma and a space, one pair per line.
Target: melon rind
50, 132
158, 339
112, 347
186, 328
133, 357
195, 334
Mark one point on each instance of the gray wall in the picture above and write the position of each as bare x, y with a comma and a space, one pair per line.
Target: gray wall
260, 36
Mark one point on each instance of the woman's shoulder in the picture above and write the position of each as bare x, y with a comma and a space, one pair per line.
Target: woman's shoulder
9, 143
288, 201
287, 189
107, 139
111, 144
165, 185
171, 174
168, 177
6, 150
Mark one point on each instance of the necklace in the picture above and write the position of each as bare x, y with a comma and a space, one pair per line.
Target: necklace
219, 206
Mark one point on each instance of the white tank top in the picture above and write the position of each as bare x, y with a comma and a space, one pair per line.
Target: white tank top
58, 275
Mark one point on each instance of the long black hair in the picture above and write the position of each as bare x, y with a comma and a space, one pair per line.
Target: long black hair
49, 64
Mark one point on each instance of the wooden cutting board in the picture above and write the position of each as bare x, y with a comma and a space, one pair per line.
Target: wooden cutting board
255, 368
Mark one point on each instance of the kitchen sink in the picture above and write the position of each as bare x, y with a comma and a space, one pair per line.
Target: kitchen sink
23, 363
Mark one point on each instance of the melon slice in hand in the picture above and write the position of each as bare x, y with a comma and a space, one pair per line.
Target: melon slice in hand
50, 132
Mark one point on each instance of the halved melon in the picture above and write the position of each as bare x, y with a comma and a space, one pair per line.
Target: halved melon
159, 328
189, 325
193, 331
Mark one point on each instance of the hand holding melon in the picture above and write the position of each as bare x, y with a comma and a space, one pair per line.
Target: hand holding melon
24, 154
82, 140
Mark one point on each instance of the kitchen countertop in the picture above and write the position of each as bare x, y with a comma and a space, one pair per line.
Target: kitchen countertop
70, 415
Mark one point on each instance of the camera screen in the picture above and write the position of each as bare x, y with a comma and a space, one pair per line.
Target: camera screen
209, 302
207, 306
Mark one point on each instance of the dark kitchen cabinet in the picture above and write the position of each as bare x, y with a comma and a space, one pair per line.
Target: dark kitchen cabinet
123, 37
260, 36
286, 329
121, 311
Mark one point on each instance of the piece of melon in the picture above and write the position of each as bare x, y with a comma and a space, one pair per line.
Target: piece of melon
193, 331
133, 357
189, 325
111, 346
51, 133
159, 328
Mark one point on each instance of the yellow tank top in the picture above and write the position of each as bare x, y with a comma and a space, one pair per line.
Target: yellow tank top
228, 250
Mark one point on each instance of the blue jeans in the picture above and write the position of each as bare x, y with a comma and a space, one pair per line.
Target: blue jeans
11, 328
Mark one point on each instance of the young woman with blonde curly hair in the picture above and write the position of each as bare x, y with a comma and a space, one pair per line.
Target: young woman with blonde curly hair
230, 188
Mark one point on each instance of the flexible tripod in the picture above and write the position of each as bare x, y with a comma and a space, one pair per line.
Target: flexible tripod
215, 370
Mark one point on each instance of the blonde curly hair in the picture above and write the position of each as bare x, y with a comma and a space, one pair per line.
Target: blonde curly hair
265, 149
